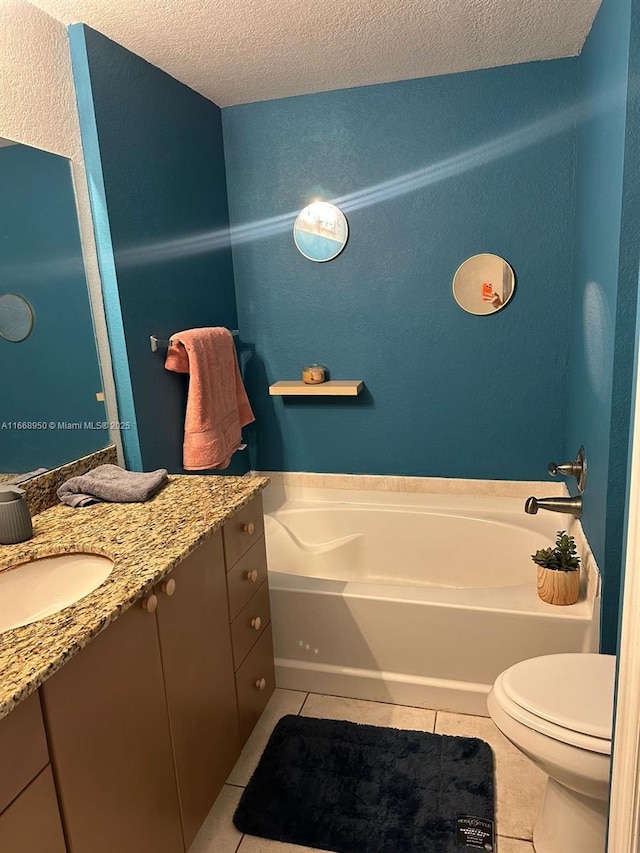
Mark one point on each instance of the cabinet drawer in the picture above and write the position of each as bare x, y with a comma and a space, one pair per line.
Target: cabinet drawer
242, 531
32, 822
23, 748
245, 577
250, 623
255, 682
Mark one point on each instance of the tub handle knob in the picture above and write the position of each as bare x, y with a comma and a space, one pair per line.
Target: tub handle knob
261, 683
252, 576
249, 527
256, 623
577, 469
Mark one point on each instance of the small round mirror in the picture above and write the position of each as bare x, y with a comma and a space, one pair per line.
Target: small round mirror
320, 231
483, 284
16, 317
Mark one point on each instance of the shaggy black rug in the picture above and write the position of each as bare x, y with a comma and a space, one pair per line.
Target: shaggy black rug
366, 789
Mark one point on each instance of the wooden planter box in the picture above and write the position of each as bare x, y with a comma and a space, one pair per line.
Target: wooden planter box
556, 587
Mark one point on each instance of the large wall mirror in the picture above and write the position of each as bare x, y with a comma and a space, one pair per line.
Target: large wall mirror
49, 407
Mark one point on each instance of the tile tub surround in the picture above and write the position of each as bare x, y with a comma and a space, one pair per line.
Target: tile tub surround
427, 485
145, 540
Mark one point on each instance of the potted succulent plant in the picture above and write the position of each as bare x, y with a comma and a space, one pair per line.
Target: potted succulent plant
558, 571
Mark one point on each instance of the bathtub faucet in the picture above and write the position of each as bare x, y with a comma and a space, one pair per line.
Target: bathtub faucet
571, 505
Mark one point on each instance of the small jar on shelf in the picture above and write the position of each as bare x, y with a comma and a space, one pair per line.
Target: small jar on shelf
314, 374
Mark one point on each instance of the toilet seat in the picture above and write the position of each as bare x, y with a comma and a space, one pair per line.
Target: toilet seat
568, 697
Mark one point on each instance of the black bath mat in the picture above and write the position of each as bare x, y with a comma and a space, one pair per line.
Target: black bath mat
352, 788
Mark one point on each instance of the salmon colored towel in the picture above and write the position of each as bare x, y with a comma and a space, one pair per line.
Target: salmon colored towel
217, 404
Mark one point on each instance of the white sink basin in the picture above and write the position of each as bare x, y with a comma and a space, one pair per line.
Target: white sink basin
34, 590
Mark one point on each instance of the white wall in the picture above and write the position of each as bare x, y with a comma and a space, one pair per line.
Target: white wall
36, 85
38, 108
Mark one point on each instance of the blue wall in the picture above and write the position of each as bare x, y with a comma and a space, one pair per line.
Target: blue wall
154, 153
428, 172
53, 375
604, 292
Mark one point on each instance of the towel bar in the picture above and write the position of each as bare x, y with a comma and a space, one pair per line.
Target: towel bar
157, 343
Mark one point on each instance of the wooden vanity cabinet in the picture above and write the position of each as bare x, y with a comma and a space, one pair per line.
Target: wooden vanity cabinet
199, 680
249, 613
108, 727
29, 815
146, 722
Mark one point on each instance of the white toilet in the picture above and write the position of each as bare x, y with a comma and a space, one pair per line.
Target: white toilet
558, 711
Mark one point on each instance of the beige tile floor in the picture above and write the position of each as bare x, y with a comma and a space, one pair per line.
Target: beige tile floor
519, 785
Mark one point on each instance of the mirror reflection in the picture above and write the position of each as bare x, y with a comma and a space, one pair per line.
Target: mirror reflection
320, 231
49, 411
483, 284
16, 317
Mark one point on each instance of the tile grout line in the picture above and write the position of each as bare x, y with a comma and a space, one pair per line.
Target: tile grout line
514, 837
242, 787
304, 702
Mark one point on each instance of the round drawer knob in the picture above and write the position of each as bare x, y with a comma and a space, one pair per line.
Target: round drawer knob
261, 684
252, 576
256, 623
248, 528
168, 586
150, 603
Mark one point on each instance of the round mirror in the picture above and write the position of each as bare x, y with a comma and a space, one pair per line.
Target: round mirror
16, 317
320, 231
483, 284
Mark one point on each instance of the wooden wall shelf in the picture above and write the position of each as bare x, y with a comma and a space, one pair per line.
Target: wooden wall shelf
334, 388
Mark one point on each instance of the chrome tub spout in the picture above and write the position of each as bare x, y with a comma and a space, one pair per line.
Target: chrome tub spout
572, 506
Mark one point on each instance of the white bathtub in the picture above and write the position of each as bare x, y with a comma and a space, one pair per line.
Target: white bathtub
417, 599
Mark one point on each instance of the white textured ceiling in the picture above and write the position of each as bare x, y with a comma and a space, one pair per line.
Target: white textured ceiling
237, 51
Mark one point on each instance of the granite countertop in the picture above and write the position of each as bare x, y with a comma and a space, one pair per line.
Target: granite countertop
145, 540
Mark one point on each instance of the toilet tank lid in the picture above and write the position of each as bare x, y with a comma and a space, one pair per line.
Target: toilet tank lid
574, 691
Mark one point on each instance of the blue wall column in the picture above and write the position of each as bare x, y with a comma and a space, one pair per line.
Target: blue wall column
605, 287
154, 153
